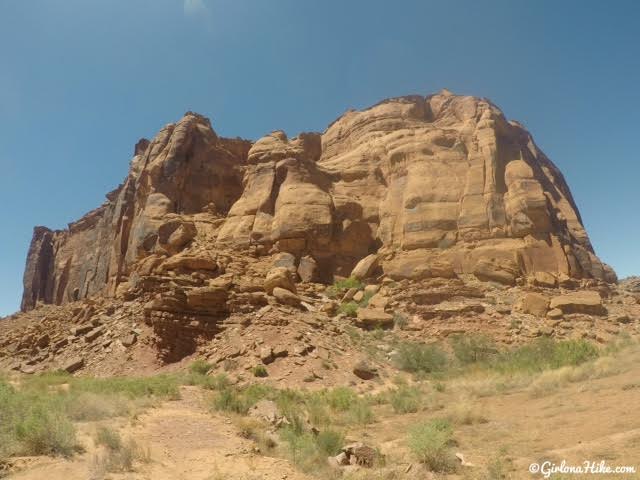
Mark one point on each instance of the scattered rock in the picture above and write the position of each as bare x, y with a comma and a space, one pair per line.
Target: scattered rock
588, 302
534, 304
554, 314
279, 277
544, 279
286, 297
370, 318
308, 269
490, 270
129, 340
93, 334
365, 370
73, 364
365, 267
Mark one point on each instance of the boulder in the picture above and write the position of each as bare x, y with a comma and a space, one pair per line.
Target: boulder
210, 299
349, 294
81, 329
554, 314
129, 340
365, 267
491, 271
285, 260
266, 355
365, 370
279, 277
73, 364
586, 301
544, 279
93, 334
286, 297
361, 454
190, 262
534, 304
308, 269
267, 411
370, 318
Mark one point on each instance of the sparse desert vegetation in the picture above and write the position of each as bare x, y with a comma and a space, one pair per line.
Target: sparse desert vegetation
427, 413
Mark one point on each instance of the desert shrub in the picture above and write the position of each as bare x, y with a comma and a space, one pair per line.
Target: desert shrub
345, 405
400, 321
420, 358
240, 400
546, 353
405, 399
209, 382
472, 348
464, 413
431, 443
348, 283
317, 411
360, 413
36, 419
260, 371
109, 438
120, 455
230, 400
34, 423
302, 448
92, 407
200, 367
340, 398
330, 442
341, 286
160, 386
350, 309
309, 451
45, 431
366, 298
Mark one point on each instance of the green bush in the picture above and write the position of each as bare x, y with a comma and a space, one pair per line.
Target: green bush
420, 358
209, 382
160, 386
473, 348
360, 413
545, 353
350, 309
260, 371
240, 400
33, 423
400, 321
43, 430
37, 418
341, 286
200, 367
330, 442
109, 438
405, 399
366, 298
430, 442
340, 398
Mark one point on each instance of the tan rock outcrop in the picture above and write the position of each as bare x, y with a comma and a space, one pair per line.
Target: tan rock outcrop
434, 186
588, 302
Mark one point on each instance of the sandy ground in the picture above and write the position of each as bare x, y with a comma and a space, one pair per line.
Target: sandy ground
185, 441
595, 420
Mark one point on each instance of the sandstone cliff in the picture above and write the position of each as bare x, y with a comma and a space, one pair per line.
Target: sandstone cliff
435, 186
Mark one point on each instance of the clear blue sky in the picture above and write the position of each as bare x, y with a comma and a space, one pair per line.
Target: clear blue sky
81, 81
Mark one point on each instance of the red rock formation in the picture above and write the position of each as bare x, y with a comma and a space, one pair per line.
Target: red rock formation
436, 186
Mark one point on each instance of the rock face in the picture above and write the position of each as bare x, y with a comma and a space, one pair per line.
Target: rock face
433, 186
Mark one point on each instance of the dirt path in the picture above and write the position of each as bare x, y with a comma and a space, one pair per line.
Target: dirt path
185, 442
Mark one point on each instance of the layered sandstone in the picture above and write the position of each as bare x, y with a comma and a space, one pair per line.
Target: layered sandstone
433, 186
